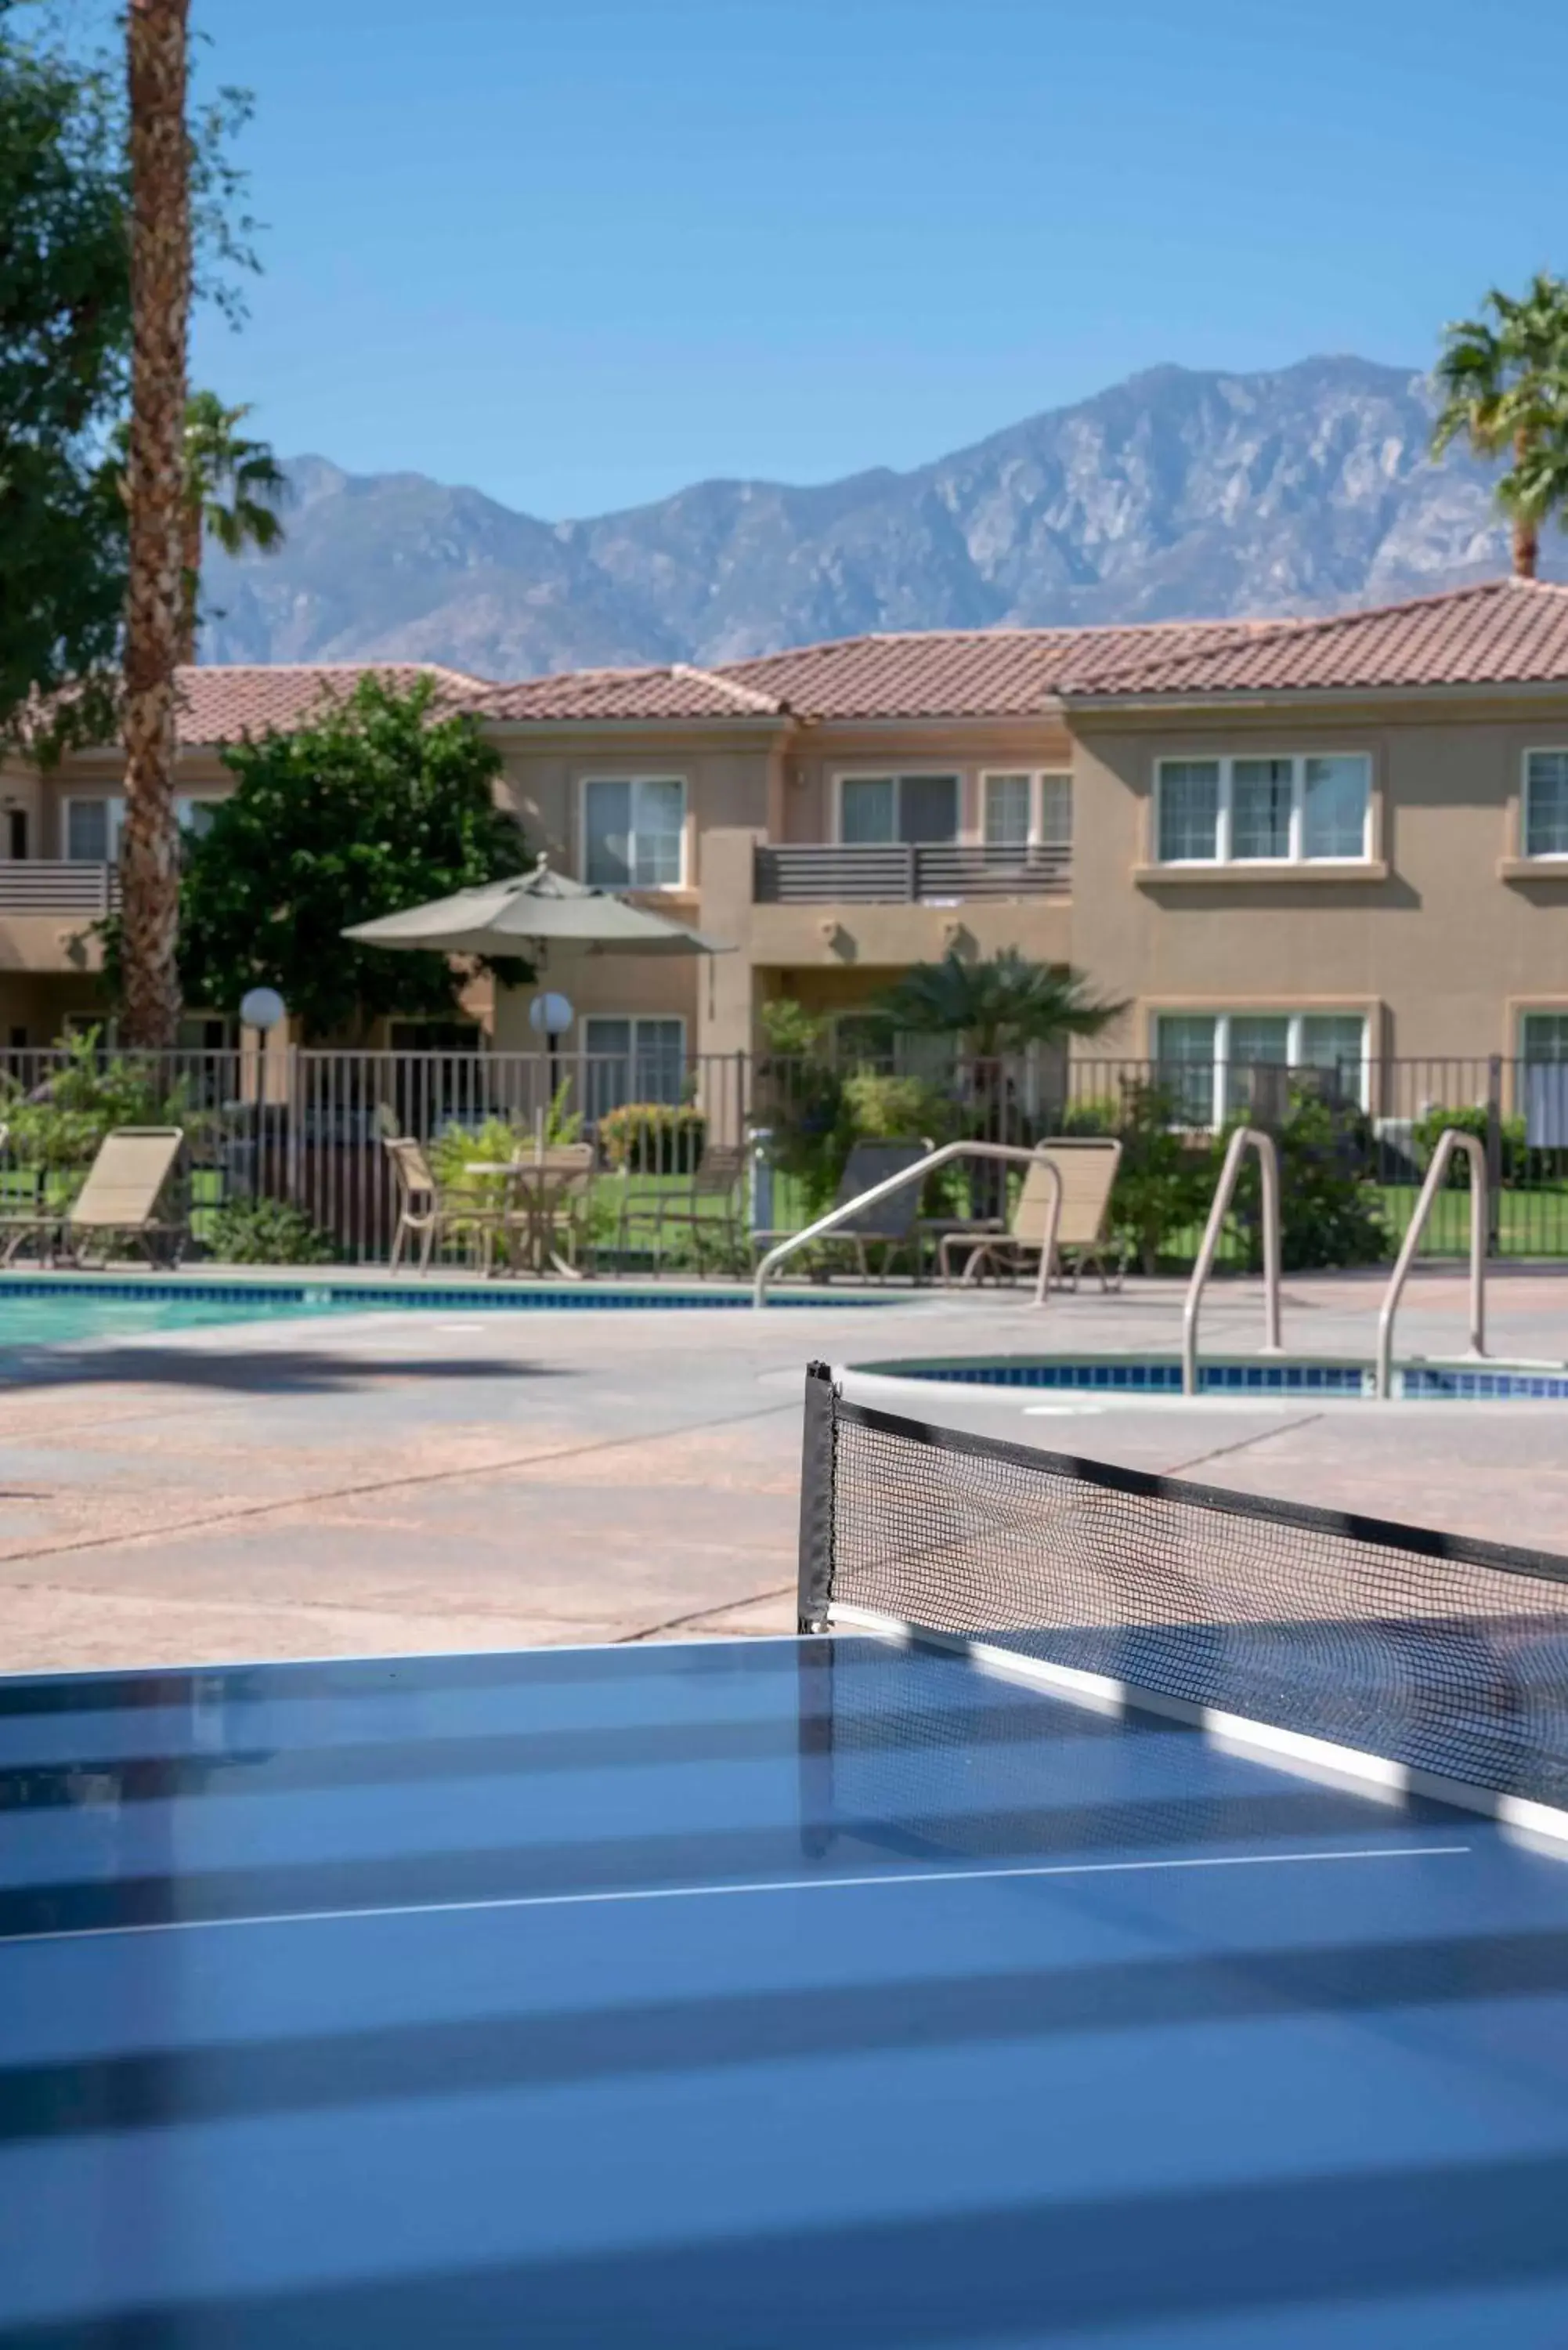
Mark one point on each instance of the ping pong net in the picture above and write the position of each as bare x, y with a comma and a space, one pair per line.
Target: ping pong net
1445, 1660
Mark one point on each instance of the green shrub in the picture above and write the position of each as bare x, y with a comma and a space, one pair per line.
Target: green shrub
1165, 1180
1471, 1120
653, 1139
267, 1231
61, 1123
1330, 1210
877, 1109
1095, 1114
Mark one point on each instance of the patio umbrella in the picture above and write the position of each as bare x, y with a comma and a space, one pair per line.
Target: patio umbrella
527, 914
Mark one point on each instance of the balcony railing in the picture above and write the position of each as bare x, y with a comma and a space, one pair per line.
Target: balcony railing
36, 885
815, 873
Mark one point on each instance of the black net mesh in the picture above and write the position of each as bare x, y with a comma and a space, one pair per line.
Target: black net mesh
1449, 1656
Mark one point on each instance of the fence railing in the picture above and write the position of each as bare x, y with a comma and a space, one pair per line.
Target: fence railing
58, 886
306, 1128
862, 873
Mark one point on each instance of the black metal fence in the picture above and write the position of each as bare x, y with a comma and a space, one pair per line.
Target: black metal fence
306, 1130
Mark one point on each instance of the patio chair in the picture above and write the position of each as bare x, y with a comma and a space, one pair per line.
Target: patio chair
894, 1223
708, 1207
121, 1197
1087, 1166
432, 1211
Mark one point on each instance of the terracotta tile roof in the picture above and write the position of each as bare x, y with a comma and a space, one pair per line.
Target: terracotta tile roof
1502, 632
219, 704
585, 694
966, 673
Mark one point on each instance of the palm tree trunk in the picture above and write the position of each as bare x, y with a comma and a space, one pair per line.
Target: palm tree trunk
1526, 543
156, 37
1526, 537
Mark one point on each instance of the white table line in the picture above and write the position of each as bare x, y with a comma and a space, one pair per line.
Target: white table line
725, 1892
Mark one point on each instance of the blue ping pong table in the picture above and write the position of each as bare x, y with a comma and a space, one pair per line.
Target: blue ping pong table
755, 1993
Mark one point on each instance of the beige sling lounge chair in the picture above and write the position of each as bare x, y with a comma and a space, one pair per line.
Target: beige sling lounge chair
119, 1200
1087, 1166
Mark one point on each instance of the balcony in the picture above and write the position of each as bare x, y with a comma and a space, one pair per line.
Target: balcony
933, 873
71, 889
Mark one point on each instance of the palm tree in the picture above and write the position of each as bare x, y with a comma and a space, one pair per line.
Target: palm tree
1505, 385
996, 1007
222, 464
157, 48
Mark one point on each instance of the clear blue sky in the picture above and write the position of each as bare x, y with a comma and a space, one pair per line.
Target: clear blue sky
581, 254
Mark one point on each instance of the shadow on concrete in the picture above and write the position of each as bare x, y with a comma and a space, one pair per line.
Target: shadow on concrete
258, 1371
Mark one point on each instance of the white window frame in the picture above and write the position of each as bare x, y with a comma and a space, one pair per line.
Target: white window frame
1038, 779
1537, 856
644, 775
896, 776
1292, 1015
1528, 1012
1226, 761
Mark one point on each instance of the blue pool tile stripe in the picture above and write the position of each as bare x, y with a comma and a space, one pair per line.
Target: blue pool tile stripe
341, 1298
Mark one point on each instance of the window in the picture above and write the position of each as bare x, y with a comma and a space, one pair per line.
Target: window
634, 832
1543, 1036
92, 830
909, 809
1023, 810
632, 1060
1189, 811
1284, 811
1547, 803
1218, 1063
93, 827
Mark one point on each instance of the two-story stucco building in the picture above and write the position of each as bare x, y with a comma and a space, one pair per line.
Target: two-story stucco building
1336, 840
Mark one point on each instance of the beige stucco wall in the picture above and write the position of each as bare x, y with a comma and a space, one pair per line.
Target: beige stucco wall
1436, 945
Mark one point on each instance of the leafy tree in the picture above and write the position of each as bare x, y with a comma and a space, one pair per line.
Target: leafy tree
998, 1006
65, 366
65, 331
1504, 380
378, 805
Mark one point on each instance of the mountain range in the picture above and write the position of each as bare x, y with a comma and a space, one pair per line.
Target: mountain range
1178, 494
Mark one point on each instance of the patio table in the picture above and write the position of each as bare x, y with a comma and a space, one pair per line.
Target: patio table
536, 1188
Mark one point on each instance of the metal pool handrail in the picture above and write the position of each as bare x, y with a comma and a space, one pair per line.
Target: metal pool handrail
1448, 1142
916, 1174
1245, 1138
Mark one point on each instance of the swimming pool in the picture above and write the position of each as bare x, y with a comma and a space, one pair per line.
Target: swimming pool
1160, 1375
67, 1309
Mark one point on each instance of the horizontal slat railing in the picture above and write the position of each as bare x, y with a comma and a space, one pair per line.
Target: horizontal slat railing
806, 873
812, 873
968, 870
56, 886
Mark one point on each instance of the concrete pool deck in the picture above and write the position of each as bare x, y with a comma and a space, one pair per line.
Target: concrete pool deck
375, 1482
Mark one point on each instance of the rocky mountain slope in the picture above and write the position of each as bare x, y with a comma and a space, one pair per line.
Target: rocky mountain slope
1177, 494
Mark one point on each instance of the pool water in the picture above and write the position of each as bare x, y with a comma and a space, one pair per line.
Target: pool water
36, 1310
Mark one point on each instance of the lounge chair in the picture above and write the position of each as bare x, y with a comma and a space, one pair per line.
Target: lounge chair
893, 1223
119, 1200
708, 1207
1087, 1166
